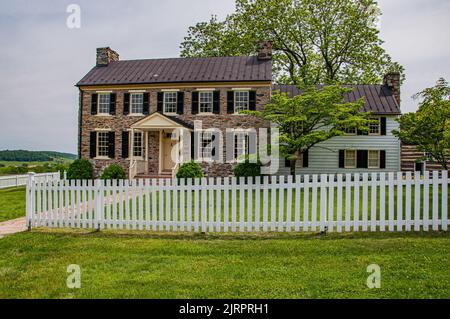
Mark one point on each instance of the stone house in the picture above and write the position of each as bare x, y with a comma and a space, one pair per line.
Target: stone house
144, 115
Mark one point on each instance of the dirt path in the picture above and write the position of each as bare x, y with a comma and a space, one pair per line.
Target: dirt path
12, 226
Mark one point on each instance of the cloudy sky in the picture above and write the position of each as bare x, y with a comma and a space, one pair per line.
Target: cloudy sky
41, 59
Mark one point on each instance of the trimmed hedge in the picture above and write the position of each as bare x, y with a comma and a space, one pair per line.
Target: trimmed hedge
113, 171
190, 170
247, 169
80, 169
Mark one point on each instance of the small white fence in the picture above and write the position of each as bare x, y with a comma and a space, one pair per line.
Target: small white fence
359, 202
21, 180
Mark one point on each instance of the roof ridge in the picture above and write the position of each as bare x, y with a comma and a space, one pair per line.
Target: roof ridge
187, 58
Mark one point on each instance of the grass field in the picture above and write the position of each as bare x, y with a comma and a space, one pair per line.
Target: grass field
142, 265
12, 203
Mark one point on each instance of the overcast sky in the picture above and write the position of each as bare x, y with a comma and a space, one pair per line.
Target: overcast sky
41, 59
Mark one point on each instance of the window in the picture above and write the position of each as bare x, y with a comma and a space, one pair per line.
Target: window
103, 144
351, 131
374, 159
170, 102
137, 144
103, 103
206, 145
205, 102
241, 101
374, 128
350, 159
240, 145
137, 103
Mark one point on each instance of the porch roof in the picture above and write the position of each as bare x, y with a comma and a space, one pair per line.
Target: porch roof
158, 120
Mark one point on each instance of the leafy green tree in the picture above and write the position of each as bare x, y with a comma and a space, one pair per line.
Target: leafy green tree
429, 127
314, 41
80, 169
316, 115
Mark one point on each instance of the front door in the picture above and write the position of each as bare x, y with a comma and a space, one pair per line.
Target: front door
167, 143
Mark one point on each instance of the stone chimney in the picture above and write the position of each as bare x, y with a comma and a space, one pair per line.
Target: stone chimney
392, 80
265, 50
106, 55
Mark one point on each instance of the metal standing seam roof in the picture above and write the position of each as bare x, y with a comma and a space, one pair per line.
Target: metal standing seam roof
177, 70
378, 98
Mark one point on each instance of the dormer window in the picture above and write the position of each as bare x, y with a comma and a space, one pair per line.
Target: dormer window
241, 101
170, 102
137, 103
103, 103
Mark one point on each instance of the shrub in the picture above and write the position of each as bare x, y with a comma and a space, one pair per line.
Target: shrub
113, 171
190, 170
247, 169
80, 169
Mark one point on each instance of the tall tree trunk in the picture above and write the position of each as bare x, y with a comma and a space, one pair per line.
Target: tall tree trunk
292, 162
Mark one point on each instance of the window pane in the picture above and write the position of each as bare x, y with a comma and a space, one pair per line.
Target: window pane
137, 146
350, 159
241, 101
103, 103
206, 145
206, 102
240, 145
170, 102
137, 103
374, 128
374, 159
103, 142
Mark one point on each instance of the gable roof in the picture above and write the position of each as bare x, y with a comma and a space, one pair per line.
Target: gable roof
378, 98
160, 120
176, 70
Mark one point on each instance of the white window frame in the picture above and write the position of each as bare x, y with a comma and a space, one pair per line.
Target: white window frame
243, 145
372, 125
351, 133
99, 103
141, 95
165, 95
211, 102
377, 158
102, 156
355, 158
134, 146
236, 93
206, 146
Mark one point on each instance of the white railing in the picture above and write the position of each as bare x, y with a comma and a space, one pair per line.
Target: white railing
21, 180
362, 202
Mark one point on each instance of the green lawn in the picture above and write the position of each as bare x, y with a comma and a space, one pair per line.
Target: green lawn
12, 203
143, 265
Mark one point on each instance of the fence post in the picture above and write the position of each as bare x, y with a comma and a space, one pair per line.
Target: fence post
65, 175
29, 199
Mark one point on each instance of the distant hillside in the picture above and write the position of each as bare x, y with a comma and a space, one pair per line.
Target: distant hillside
33, 156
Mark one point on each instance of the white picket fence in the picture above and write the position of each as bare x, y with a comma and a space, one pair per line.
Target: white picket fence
359, 202
21, 180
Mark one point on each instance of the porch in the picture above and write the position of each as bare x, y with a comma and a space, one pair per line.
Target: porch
159, 144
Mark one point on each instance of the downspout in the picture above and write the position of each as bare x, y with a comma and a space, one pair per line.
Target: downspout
80, 121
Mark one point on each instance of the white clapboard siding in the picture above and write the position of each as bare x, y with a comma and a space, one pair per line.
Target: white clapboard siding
390, 202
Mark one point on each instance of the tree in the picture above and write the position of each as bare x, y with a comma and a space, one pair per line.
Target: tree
314, 41
429, 127
314, 116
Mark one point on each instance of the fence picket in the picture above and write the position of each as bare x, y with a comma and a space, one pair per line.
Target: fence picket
330, 203
280, 203
399, 201
289, 204
204, 188
339, 204
356, 203
233, 204
382, 202
218, 203
408, 181
323, 202
265, 203
196, 204
373, 202
273, 195
241, 204
226, 183
364, 203
257, 203
306, 203
121, 203
314, 203
211, 187
168, 200
444, 206
435, 201
348, 200
391, 218
426, 201
141, 204
175, 205
417, 201
250, 184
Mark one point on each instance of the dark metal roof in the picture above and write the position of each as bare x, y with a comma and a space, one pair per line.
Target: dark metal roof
378, 98
176, 70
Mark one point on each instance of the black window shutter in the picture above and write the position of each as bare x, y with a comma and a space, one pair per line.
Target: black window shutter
216, 102
341, 158
306, 158
383, 125
125, 144
192, 146
146, 103
362, 157
252, 100
93, 145
112, 103
382, 159
111, 145
180, 102
194, 103
160, 102
94, 101
126, 103
230, 102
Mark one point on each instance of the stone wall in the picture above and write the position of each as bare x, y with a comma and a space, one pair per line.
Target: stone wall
120, 122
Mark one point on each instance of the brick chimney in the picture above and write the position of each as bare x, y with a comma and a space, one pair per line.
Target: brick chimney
392, 80
106, 55
265, 50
